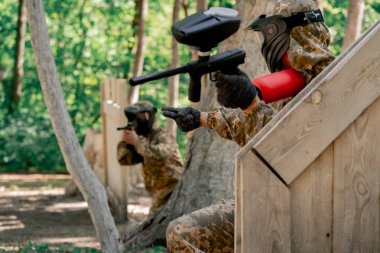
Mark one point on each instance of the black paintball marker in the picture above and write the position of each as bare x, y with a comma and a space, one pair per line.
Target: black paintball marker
203, 30
129, 126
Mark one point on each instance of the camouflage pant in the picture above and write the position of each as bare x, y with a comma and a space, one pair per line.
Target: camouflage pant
209, 230
159, 200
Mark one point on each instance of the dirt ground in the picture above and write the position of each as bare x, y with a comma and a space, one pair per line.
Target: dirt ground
35, 208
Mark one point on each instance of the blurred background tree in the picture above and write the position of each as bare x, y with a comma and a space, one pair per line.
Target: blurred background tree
92, 39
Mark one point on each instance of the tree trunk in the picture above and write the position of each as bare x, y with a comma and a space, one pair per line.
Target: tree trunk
133, 95
354, 22
185, 6
201, 5
174, 80
76, 163
209, 171
18, 71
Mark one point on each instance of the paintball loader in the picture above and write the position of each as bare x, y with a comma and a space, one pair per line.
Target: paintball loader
203, 30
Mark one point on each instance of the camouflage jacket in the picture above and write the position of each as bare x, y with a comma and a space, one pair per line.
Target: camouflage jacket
160, 157
239, 126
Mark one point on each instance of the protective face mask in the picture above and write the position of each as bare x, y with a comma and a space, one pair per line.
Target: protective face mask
144, 127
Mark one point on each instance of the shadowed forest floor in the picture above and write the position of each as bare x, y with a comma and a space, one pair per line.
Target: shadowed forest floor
35, 208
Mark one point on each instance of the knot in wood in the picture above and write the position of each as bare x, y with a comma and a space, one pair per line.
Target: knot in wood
316, 97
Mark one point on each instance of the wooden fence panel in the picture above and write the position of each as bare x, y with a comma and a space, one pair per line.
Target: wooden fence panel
114, 101
357, 188
356, 84
325, 145
266, 207
311, 206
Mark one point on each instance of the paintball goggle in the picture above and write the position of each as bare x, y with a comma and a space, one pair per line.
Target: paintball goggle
131, 113
276, 29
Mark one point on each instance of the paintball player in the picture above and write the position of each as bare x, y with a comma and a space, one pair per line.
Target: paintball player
295, 51
156, 149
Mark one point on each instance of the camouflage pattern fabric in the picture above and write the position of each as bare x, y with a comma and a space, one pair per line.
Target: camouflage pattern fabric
308, 50
161, 162
239, 126
209, 230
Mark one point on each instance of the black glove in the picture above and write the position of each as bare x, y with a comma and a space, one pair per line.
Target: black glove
235, 90
186, 118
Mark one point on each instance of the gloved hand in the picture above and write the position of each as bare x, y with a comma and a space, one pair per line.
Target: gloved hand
235, 90
186, 118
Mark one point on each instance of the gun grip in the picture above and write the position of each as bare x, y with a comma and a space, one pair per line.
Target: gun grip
195, 88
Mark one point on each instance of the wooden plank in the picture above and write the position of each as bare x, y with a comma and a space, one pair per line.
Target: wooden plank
322, 112
357, 185
311, 206
113, 117
112, 111
107, 88
238, 204
104, 128
122, 93
113, 89
265, 209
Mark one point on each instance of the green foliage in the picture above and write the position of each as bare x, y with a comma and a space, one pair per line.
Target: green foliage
46, 248
335, 13
222, 3
156, 249
92, 39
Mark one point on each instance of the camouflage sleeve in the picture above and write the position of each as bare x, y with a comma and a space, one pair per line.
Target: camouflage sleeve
308, 50
161, 147
127, 155
239, 126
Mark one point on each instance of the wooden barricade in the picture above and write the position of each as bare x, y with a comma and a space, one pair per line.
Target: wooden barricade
114, 99
310, 180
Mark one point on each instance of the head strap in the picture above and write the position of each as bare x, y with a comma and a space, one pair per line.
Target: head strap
304, 18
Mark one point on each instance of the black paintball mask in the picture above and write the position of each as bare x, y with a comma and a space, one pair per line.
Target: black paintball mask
276, 32
142, 126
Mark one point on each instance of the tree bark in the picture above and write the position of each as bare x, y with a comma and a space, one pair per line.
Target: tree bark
171, 126
354, 22
83, 176
133, 95
209, 171
185, 6
18, 71
201, 5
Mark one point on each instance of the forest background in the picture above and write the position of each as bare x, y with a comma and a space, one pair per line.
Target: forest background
92, 39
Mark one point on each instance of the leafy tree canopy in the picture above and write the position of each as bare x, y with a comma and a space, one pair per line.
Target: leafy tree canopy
92, 39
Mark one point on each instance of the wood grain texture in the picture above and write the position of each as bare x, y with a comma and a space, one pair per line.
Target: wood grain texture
113, 117
357, 185
311, 206
297, 138
238, 203
265, 211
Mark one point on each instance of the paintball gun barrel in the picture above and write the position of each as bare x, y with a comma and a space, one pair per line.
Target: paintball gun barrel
226, 62
203, 30
129, 126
